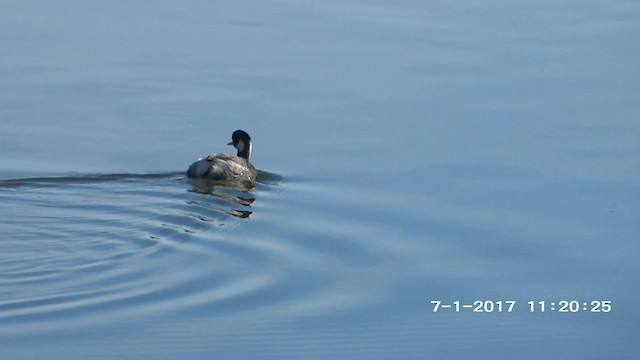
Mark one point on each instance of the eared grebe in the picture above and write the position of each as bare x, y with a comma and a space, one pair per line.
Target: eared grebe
227, 167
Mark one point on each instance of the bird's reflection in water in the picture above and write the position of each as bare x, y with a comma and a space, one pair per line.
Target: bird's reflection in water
235, 192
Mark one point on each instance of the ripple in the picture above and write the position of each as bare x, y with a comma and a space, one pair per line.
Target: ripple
86, 253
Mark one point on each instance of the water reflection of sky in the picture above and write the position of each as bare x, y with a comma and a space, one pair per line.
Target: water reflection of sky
428, 149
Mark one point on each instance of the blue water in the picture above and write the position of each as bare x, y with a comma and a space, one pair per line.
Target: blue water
410, 152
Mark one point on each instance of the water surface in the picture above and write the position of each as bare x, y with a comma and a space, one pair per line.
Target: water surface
411, 152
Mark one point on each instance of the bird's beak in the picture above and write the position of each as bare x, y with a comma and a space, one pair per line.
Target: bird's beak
231, 143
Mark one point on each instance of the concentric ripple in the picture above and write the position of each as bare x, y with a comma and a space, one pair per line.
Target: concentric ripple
83, 252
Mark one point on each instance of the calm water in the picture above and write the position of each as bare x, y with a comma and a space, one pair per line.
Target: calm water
411, 152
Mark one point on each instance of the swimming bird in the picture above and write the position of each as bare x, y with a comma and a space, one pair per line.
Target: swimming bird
227, 167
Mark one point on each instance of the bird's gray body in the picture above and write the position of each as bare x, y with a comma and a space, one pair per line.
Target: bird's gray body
222, 166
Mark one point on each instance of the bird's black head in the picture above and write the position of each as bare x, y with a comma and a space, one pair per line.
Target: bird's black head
241, 141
